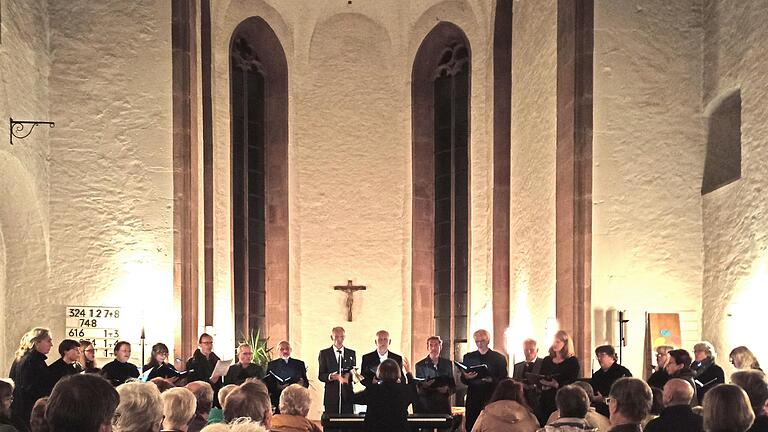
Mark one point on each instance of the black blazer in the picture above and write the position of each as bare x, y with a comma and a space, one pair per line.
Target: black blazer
237, 374
430, 400
371, 363
518, 370
294, 369
328, 365
387, 405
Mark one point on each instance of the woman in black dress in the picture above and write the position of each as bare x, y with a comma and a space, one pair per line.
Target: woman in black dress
563, 367
388, 399
30, 373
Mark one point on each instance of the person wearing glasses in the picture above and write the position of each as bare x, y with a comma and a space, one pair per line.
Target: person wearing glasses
202, 363
88, 357
629, 403
708, 373
603, 378
659, 377
6, 399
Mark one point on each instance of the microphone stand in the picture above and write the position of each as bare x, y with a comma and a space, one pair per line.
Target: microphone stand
622, 335
341, 360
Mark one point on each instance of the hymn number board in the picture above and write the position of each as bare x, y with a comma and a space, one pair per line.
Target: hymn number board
98, 324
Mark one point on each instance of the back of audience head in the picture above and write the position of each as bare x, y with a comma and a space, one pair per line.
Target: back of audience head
588, 389
250, 400
140, 408
742, 358
82, 403
238, 425
677, 392
507, 389
31, 338
388, 371
679, 359
295, 400
178, 408
726, 408
223, 393
752, 381
162, 384
6, 397
203, 393
631, 399
37, 422
572, 401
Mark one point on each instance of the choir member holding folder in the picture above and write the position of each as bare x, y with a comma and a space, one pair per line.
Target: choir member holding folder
480, 370
283, 372
244, 368
434, 381
204, 365
157, 365
372, 360
559, 368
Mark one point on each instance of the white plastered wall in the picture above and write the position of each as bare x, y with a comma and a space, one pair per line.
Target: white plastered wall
647, 168
111, 164
24, 95
532, 188
735, 226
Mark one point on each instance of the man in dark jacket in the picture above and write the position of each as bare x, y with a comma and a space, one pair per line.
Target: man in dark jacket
244, 368
480, 385
373, 359
603, 378
677, 414
677, 367
336, 362
202, 363
283, 372
435, 383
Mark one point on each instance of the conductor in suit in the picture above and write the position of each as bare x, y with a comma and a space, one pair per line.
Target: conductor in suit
372, 360
291, 370
531, 364
333, 360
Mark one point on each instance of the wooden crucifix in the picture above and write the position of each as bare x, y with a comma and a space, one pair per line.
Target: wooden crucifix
350, 290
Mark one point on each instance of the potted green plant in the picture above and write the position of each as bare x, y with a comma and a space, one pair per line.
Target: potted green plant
262, 352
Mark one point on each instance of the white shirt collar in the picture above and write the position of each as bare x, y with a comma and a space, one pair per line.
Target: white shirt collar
382, 357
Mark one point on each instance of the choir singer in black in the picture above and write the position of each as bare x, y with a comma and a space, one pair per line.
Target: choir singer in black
244, 368
372, 360
434, 381
336, 364
480, 385
120, 370
283, 372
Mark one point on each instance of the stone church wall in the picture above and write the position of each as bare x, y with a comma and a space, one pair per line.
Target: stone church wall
111, 164
735, 225
647, 168
532, 191
24, 217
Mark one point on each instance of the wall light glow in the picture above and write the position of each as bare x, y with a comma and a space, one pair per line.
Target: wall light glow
743, 326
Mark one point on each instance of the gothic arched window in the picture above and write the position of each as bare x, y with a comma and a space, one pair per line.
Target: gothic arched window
441, 100
259, 121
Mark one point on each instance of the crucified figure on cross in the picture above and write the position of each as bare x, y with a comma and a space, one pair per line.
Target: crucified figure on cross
350, 290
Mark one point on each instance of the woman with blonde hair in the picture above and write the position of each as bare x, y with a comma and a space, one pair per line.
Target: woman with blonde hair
178, 409
560, 367
727, 409
140, 408
742, 358
294, 407
30, 374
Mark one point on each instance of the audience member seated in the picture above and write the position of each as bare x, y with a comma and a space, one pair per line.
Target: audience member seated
37, 422
677, 414
387, 402
594, 418
239, 425
678, 367
708, 373
629, 402
726, 408
69, 350
178, 409
507, 410
752, 381
88, 357
657, 406
162, 384
81, 403
203, 392
294, 407
572, 404
216, 415
249, 400
659, 377
742, 358
6, 397
120, 369
140, 408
